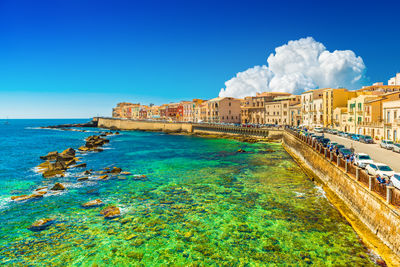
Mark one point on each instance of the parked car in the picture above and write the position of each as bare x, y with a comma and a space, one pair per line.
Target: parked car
366, 139
324, 141
362, 160
395, 179
387, 144
396, 147
332, 144
379, 169
345, 152
339, 146
355, 137
318, 130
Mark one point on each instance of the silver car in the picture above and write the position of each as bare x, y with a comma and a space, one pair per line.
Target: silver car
387, 144
396, 147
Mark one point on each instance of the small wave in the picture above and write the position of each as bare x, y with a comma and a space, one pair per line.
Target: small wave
298, 194
5, 202
321, 191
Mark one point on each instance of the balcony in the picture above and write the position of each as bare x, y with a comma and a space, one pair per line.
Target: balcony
372, 124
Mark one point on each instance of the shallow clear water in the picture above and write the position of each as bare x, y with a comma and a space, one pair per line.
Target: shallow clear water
202, 204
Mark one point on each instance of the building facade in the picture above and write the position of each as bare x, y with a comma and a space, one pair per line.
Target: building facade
223, 110
253, 107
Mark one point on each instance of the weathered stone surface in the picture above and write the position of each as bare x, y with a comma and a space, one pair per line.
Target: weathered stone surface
140, 177
111, 212
93, 203
20, 198
58, 186
69, 151
83, 148
41, 188
116, 170
41, 224
50, 156
381, 218
82, 165
52, 173
43, 165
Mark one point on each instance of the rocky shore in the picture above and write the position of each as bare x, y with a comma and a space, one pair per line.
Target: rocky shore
90, 124
56, 164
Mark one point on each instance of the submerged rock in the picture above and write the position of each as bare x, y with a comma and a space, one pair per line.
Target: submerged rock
241, 151
53, 173
20, 198
58, 186
41, 224
103, 177
82, 165
125, 173
83, 178
139, 177
93, 203
83, 148
115, 170
111, 212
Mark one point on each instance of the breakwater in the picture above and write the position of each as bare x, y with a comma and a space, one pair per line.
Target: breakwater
125, 124
365, 204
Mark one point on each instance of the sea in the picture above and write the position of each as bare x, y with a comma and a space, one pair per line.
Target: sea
201, 204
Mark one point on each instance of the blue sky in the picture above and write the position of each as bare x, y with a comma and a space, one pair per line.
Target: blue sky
67, 58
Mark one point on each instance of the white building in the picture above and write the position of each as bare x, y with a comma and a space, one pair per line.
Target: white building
395, 80
312, 108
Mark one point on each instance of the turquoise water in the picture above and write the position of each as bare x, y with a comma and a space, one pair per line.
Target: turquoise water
202, 204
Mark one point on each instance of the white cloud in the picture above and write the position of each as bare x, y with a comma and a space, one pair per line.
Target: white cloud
298, 66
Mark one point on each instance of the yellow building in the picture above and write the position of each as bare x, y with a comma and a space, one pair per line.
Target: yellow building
332, 99
340, 118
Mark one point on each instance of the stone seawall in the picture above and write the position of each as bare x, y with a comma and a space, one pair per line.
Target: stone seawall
121, 124
382, 219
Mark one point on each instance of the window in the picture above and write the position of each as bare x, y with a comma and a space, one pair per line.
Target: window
229, 112
229, 103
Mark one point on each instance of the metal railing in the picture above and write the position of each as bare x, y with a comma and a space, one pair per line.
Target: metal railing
388, 193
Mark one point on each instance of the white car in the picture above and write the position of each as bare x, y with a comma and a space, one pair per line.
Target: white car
395, 179
362, 160
396, 147
387, 144
379, 169
318, 130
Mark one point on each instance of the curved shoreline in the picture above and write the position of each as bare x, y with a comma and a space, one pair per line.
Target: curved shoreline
371, 241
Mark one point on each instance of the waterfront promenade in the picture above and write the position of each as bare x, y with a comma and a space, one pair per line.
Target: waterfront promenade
377, 153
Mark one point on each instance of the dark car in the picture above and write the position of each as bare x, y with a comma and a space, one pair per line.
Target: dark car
339, 146
366, 139
324, 141
345, 152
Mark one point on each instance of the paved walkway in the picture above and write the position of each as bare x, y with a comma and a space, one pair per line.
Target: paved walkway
377, 153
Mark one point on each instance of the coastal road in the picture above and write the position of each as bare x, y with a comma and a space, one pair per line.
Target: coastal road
377, 153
